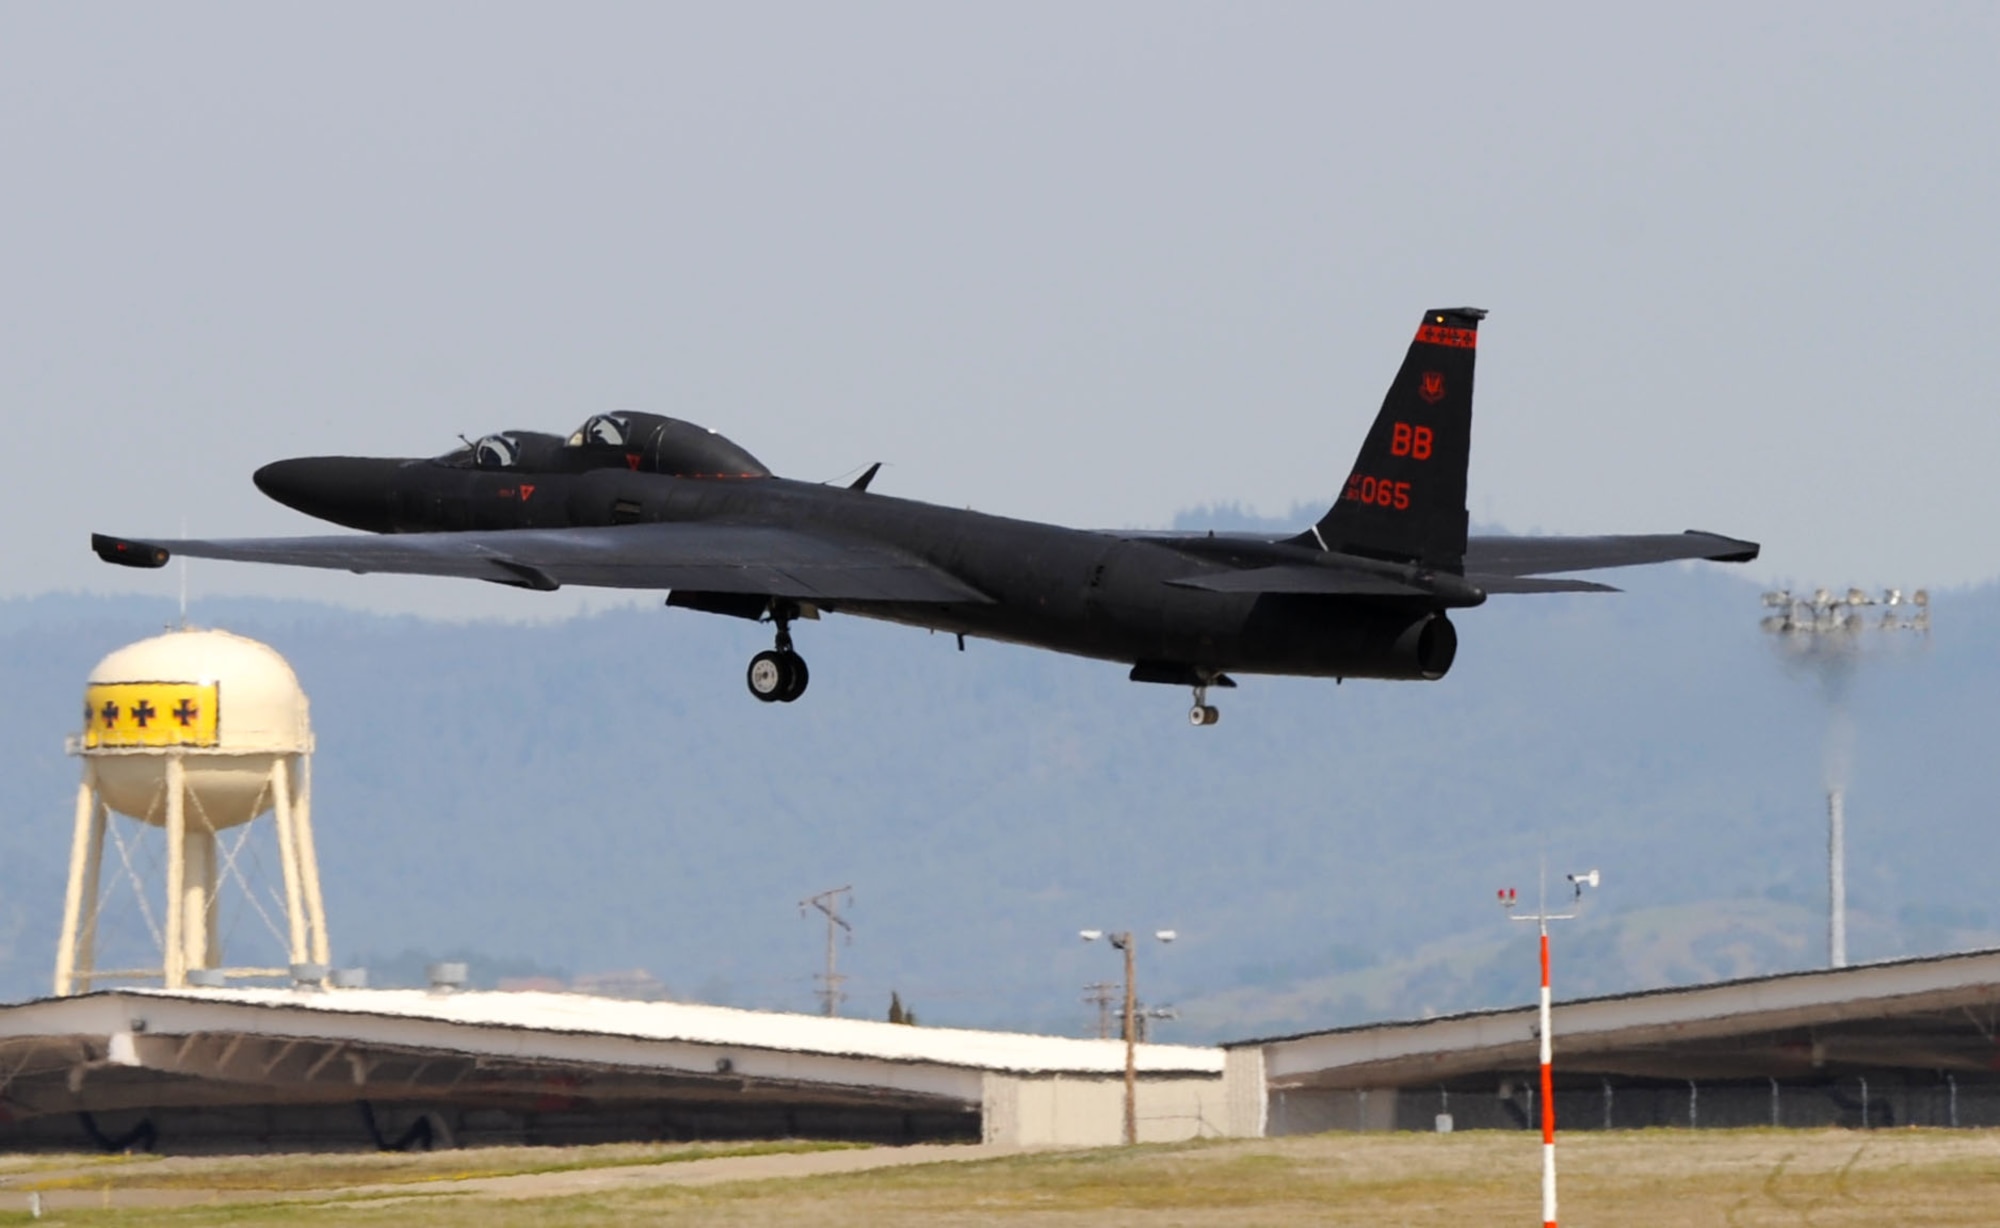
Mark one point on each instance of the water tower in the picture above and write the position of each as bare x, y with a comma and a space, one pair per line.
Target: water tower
195, 732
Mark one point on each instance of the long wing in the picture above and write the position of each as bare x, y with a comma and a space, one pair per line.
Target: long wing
1533, 556
707, 558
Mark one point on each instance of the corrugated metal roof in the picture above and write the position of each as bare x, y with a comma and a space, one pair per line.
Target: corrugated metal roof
1856, 981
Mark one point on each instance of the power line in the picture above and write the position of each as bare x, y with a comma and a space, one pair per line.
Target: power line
828, 902
1101, 994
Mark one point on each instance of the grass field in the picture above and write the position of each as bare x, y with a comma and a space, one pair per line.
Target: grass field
1744, 1178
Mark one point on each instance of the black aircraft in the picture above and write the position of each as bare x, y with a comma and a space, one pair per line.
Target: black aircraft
640, 501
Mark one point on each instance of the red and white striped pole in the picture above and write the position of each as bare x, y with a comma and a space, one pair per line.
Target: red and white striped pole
1542, 917
1548, 1097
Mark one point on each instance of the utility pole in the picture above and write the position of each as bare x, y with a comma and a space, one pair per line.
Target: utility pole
1101, 994
828, 902
1122, 941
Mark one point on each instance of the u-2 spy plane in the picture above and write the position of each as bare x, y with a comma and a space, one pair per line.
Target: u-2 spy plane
633, 500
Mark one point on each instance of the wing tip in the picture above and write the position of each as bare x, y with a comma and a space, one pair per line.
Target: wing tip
1735, 550
127, 553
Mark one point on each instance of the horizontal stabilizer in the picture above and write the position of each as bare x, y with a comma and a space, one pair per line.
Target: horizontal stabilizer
699, 557
1536, 584
1301, 578
1533, 556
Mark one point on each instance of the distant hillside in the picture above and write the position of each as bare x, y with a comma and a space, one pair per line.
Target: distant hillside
601, 794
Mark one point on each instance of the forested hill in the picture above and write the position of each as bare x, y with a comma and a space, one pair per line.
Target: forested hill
601, 794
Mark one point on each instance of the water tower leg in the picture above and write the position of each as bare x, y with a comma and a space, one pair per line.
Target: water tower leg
93, 901
86, 851
288, 844
173, 964
199, 939
309, 864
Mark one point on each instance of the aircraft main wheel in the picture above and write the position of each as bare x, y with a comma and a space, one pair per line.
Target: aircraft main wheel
1211, 714
768, 676
796, 676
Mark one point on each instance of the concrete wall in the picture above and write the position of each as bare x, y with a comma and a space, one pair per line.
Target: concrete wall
1074, 1111
1245, 1092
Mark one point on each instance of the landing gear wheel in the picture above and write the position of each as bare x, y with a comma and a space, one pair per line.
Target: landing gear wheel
768, 676
1203, 713
778, 676
796, 676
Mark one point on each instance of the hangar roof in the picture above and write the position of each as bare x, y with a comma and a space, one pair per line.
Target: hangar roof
721, 1026
154, 1048
1936, 1012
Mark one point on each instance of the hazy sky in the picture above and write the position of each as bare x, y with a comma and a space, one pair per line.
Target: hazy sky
1087, 263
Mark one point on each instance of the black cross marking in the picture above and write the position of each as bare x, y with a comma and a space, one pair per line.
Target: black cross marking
110, 714
89, 714
186, 713
144, 711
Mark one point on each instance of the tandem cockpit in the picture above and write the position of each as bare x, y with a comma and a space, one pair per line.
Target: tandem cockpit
643, 443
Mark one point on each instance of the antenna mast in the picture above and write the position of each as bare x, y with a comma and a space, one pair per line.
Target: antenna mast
828, 902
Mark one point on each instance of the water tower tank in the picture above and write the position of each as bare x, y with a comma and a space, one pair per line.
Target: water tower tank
227, 706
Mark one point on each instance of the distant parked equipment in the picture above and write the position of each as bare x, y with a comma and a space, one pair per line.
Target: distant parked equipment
196, 732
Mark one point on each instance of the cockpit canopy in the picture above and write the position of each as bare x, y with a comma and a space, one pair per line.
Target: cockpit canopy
643, 443
529, 451
651, 443
518, 451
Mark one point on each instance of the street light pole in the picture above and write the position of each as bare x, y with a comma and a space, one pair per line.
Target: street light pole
1836, 877
1131, 1040
1122, 940
1541, 917
1824, 630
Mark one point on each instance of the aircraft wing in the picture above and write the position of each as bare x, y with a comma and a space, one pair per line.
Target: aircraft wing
698, 557
1534, 556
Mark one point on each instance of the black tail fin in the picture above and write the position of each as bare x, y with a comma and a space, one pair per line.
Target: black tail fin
1405, 498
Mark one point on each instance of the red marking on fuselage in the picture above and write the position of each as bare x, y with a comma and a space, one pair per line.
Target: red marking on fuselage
1457, 338
632, 461
527, 492
1432, 387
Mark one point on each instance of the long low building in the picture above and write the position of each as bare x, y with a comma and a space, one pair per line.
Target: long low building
1905, 1042
1910, 1042
287, 1069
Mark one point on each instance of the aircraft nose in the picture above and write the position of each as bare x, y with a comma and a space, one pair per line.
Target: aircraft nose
353, 491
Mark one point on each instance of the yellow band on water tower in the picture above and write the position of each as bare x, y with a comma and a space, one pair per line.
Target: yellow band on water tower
151, 714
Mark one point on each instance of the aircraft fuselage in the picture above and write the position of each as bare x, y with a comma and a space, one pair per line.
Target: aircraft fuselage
642, 501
